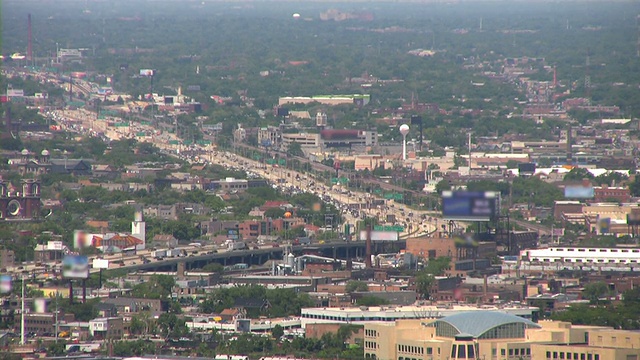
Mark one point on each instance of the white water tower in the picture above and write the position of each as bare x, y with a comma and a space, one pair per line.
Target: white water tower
404, 130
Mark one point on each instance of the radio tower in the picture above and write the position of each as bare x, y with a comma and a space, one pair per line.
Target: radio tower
29, 49
587, 76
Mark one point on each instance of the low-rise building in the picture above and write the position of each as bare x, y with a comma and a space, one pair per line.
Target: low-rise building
133, 305
106, 328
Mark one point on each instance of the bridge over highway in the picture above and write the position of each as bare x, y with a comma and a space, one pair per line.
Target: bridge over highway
336, 250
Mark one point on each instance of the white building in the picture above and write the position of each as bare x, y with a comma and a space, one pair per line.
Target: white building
363, 314
583, 255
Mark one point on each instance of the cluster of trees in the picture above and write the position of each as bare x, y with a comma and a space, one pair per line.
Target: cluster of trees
157, 287
329, 346
425, 278
601, 312
275, 302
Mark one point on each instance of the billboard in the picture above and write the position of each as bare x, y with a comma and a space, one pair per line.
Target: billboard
75, 267
5, 284
380, 235
527, 168
15, 92
416, 119
604, 225
579, 192
470, 205
146, 72
100, 264
82, 239
54, 245
233, 234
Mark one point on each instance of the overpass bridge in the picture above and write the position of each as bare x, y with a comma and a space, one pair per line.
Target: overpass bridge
335, 250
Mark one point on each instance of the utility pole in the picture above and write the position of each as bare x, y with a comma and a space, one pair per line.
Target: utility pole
22, 342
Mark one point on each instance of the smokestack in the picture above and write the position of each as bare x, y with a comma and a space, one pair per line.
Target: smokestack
29, 49
555, 77
485, 290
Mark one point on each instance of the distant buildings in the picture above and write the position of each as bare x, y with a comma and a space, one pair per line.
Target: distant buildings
332, 100
27, 163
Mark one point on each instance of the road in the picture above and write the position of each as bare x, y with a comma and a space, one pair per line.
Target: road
354, 205
540, 229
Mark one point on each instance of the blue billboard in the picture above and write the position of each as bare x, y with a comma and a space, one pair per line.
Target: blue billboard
579, 192
5, 284
469, 205
75, 267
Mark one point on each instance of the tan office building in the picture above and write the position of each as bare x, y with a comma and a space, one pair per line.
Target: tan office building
495, 336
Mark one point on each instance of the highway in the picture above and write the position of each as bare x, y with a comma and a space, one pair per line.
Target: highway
353, 205
540, 229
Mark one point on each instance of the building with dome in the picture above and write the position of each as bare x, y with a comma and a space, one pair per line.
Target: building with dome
493, 335
30, 163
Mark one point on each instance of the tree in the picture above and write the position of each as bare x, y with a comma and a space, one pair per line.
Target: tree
356, 286
158, 287
594, 291
295, 149
133, 348
512, 164
578, 174
438, 266
634, 186
57, 348
424, 283
213, 268
443, 185
172, 326
277, 332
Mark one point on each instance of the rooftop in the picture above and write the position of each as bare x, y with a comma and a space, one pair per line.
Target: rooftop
477, 323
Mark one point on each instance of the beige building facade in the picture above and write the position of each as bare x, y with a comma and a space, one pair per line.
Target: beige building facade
496, 336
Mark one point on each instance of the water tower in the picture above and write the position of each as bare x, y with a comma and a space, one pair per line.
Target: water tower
404, 130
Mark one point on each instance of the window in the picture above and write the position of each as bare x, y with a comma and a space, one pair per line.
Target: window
548, 354
503, 352
453, 350
429, 351
471, 352
462, 353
